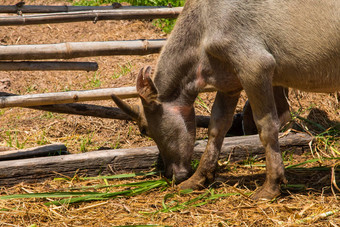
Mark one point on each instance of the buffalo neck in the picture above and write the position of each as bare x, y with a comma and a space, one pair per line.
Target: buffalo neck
176, 74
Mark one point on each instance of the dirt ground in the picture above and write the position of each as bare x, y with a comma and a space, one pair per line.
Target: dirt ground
23, 128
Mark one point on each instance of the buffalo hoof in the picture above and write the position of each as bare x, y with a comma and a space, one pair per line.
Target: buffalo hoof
266, 193
192, 183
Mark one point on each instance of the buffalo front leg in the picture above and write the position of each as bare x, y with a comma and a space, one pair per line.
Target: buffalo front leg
220, 121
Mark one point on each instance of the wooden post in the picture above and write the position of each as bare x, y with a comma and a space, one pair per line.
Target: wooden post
95, 15
71, 97
48, 66
129, 160
80, 49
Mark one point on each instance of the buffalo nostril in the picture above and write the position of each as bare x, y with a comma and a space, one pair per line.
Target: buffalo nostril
178, 173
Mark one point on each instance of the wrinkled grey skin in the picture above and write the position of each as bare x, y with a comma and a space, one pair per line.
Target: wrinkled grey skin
235, 45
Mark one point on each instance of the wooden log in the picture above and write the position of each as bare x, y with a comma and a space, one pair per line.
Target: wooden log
103, 112
48, 66
98, 111
94, 15
127, 160
46, 150
70, 97
66, 8
86, 110
80, 49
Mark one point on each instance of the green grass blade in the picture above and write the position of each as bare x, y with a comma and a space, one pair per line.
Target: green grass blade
312, 123
217, 196
295, 187
311, 161
319, 168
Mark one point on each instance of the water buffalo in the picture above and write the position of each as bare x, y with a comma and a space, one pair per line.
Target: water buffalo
235, 45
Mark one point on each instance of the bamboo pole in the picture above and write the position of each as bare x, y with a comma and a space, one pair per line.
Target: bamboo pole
80, 49
70, 97
48, 66
66, 8
95, 15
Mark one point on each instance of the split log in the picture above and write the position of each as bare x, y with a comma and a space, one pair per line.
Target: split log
71, 97
66, 8
127, 160
80, 49
95, 15
46, 150
48, 66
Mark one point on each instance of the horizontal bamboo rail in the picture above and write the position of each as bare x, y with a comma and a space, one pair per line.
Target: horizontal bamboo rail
48, 66
66, 8
80, 49
95, 15
70, 97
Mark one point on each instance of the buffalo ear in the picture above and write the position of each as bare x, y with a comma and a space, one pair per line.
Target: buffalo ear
146, 88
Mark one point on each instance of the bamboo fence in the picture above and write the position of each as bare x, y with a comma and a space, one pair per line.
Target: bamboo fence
94, 15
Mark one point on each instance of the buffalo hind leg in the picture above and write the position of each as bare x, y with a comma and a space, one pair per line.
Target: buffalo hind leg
282, 107
220, 121
257, 84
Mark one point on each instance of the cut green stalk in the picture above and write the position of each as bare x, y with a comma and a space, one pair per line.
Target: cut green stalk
74, 197
47, 195
118, 176
103, 196
316, 217
200, 200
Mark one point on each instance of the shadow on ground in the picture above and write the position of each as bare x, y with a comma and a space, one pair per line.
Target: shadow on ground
300, 181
